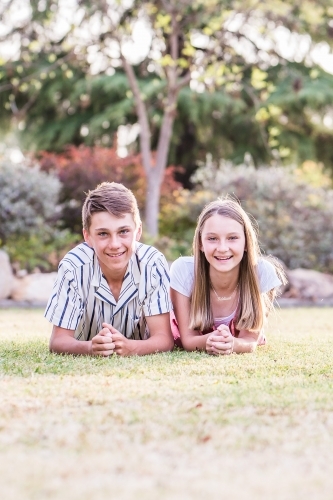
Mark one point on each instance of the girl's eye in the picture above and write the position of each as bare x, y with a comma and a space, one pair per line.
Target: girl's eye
211, 238
233, 237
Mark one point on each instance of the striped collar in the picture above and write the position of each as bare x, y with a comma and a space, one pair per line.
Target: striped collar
129, 287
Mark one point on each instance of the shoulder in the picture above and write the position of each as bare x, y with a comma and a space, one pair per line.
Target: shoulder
182, 275
79, 256
148, 255
267, 275
265, 266
183, 264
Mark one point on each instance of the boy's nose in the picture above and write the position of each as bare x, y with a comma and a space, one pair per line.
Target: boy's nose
114, 242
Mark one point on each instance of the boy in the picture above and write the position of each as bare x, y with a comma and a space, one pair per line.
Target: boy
112, 292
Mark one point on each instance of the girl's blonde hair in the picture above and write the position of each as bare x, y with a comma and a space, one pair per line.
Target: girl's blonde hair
253, 305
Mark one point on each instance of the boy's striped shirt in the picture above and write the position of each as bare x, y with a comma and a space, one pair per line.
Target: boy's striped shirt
82, 300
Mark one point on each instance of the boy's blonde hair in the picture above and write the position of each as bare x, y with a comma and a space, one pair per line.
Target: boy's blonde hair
253, 305
113, 198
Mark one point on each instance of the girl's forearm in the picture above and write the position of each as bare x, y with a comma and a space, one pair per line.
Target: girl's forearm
244, 345
195, 342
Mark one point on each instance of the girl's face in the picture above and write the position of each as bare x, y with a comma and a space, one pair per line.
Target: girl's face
223, 243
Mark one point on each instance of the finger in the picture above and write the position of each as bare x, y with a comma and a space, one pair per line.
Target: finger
117, 336
224, 330
105, 331
114, 331
102, 339
118, 344
119, 351
222, 346
107, 325
105, 353
103, 347
220, 339
223, 327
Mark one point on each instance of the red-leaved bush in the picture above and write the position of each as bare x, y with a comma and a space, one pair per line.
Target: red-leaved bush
82, 168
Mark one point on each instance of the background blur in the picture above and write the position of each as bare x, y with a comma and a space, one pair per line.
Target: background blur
182, 101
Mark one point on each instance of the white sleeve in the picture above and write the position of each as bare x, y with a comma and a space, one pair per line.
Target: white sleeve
182, 275
268, 279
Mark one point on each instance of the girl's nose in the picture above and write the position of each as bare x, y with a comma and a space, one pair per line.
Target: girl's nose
223, 246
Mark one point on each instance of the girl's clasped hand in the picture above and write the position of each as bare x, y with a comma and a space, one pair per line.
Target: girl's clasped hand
221, 341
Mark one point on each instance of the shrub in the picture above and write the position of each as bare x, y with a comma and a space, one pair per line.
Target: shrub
29, 217
28, 201
294, 216
80, 169
40, 250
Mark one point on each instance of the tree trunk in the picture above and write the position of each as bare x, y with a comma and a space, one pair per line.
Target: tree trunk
155, 174
152, 205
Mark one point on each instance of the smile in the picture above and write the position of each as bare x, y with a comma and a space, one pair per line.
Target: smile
223, 258
113, 256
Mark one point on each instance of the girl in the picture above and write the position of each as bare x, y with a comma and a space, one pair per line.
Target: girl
222, 295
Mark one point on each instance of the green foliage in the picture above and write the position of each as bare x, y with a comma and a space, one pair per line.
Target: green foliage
294, 217
29, 200
293, 208
30, 216
40, 250
246, 98
82, 169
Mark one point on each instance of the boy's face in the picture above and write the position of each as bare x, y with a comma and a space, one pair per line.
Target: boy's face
113, 240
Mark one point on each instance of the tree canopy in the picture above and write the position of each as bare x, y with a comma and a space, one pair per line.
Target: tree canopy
224, 76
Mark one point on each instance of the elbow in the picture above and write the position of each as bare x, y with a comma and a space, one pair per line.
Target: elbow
252, 347
54, 346
51, 345
170, 344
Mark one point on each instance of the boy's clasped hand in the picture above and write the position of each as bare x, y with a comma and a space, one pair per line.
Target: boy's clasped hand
109, 341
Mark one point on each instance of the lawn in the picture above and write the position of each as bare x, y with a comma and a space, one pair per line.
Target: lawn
168, 426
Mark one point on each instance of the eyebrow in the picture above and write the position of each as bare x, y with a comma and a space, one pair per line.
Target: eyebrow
106, 229
228, 234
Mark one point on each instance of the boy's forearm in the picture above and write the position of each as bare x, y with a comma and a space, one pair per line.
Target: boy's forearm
67, 345
156, 343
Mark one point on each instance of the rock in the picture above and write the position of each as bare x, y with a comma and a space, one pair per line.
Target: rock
309, 285
35, 288
21, 273
6, 276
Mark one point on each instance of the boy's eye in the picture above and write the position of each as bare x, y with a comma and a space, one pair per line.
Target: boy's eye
124, 231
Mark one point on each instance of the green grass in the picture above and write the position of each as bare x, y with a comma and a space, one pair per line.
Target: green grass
175, 425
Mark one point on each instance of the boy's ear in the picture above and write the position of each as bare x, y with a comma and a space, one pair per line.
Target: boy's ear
85, 236
139, 232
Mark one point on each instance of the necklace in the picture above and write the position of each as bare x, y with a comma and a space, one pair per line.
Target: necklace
224, 298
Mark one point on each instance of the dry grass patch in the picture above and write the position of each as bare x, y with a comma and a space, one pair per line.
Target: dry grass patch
176, 425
